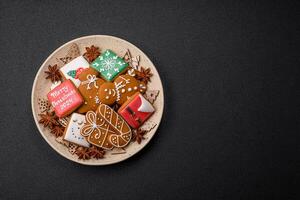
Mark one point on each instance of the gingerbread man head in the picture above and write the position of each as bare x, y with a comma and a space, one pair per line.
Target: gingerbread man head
122, 88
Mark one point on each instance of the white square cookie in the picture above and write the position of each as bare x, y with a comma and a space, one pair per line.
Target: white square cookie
72, 132
74, 68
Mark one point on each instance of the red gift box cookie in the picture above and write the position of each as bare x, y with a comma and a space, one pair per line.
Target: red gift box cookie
136, 110
65, 98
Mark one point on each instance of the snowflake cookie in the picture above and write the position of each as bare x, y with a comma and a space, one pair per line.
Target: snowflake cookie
109, 65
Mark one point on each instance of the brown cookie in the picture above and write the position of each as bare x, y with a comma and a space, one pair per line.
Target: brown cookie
123, 87
97, 131
88, 88
122, 130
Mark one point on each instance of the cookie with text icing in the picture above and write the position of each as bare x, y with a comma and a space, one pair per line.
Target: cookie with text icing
72, 131
136, 110
122, 130
88, 88
97, 131
65, 98
74, 68
122, 88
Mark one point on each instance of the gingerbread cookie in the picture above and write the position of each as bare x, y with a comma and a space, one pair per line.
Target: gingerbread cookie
109, 65
136, 110
123, 87
72, 131
105, 128
97, 131
88, 88
123, 131
65, 98
73, 69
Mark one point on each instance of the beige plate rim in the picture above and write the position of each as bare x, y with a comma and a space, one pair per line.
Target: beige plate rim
46, 139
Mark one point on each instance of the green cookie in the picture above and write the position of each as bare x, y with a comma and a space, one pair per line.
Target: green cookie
109, 65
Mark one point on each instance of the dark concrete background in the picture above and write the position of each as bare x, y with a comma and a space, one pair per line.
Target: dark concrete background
231, 124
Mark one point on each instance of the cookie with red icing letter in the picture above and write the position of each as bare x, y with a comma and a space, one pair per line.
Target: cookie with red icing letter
122, 88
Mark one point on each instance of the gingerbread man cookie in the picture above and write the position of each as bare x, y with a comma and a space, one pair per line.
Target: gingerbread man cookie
123, 87
88, 88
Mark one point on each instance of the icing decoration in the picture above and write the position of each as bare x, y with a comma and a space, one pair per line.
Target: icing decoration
88, 88
74, 73
123, 131
73, 69
136, 110
97, 130
65, 98
123, 87
91, 79
145, 106
72, 132
109, 65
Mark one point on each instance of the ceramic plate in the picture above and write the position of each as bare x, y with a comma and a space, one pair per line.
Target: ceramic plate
41, 87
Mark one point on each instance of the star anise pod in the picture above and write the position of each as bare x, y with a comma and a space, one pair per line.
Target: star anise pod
53, 73
48, 119
143, 75
58, 131
96, 152
83, 153
91, 53
138, 135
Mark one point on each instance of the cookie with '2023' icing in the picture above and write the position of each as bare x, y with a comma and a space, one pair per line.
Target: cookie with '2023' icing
65, 98
123, 87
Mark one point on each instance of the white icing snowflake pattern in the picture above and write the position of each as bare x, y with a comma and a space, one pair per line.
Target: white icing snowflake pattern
108, 63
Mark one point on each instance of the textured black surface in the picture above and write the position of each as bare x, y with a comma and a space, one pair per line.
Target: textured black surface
231, 124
